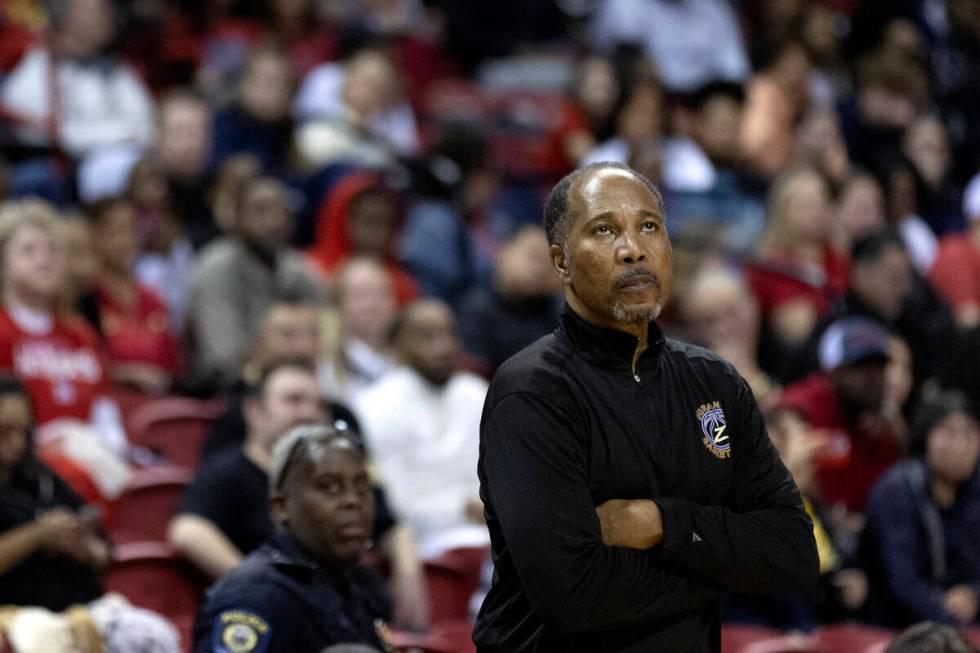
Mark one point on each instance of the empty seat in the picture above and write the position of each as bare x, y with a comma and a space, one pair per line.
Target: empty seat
148, 502
152, 576
174, 427
452, 579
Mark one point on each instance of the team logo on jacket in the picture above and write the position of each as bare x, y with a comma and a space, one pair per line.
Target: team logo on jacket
714, 429
238, 631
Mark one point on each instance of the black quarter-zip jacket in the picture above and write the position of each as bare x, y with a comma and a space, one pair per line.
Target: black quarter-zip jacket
567, 425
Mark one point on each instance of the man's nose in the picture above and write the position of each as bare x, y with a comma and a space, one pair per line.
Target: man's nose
628, 249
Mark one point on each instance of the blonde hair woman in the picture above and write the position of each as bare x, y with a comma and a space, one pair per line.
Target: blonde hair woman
797, 273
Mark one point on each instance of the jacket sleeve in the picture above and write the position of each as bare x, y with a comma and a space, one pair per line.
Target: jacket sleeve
762, 541
894, 531
534, 481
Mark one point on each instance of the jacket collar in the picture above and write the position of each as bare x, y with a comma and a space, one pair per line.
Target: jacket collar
608, 347
286, 551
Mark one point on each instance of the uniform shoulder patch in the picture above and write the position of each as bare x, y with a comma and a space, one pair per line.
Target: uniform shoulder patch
240, 631
713, 427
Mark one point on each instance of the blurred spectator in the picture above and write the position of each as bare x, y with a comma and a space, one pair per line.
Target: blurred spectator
258, 122
589, 116
956, 270
797, 273
365, 123
956, 81
82, 269
361, 217
361, 352
54, 354
140, 347
929, 637
166, 255
926, 146
237, 279
819, 144
844, 402
300, 35
724, 316
233, 175
891, 91
71, 92
690, 41
314, 593
778, 97
361, 130
860, 209
822, 32
884, 287
842, 587
51, 549
639, 124
288, 331
923, 517
453, 229
422, 421
522, 305
223, 516
906, 193
707, 195
183, 154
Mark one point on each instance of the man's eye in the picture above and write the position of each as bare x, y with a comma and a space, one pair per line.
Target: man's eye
650, 225
601, 230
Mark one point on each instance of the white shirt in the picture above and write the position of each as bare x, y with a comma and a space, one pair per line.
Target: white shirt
99, 105
319, 96
425, 441
692, 42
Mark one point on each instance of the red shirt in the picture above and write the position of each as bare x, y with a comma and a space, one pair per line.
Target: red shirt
856, 458
956, 272
61, 369
778, 280
139, 333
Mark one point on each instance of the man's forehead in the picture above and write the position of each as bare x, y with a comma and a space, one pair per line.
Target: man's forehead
594, 189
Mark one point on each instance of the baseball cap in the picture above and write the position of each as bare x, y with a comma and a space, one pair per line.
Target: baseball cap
850, 340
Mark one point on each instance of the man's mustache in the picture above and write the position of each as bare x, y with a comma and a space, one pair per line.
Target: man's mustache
634, 274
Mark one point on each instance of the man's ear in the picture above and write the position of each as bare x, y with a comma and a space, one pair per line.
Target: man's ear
277, 508
559, 262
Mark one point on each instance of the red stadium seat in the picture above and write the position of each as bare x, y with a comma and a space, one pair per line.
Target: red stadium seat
151, 575
174, 427
973, 636
452, 579
849, 638
735, 637
445, 637
148, 502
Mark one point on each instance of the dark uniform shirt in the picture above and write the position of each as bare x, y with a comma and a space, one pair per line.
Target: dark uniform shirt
279, 601
567, 426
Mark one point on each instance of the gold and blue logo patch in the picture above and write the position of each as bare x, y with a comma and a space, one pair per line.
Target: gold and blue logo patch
238, 631
714, 428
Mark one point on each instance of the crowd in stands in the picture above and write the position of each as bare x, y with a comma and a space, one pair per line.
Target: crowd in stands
327, 211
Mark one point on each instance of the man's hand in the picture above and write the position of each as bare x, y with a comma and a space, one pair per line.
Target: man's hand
634, 524
961, 601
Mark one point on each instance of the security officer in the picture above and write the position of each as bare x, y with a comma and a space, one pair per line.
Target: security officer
303, 591
627, 478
